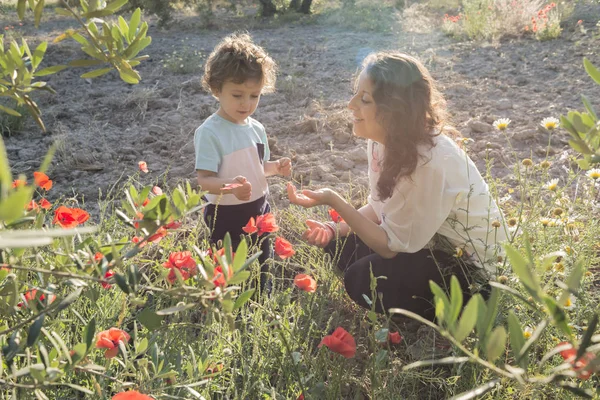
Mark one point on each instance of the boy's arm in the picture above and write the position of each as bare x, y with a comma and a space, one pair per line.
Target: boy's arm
210, 182
283, 167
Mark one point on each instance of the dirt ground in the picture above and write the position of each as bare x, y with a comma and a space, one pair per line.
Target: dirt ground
103, 127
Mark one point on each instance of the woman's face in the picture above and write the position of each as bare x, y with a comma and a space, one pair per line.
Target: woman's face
364, 110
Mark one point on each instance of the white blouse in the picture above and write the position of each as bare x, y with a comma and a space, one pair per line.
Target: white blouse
445, 195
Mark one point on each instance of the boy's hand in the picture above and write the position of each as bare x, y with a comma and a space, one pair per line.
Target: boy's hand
284, 166
240, 188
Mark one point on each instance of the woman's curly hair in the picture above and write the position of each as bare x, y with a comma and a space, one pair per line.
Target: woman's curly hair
409, 107
238, 59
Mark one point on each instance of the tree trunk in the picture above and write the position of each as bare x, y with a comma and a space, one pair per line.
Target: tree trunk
305, 7
268, 8
295, 5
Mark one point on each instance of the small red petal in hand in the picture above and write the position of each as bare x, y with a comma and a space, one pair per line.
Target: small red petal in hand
231, 186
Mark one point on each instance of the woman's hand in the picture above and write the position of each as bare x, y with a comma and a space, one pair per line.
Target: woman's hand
310, 198
318, 233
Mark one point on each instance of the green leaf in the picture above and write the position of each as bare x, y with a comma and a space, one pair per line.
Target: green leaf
228, 248
12, 206
122, 283
175, 309
468, 319
478, 391
441, 361
89, 333
79, 388
588, 106
239, 277
580, 147
96, 73
21, 8
129, 76
575, 389
50, 70
10, 111
116, 5
37, 12
521, 267
243, 298
149, 319
240, 255
456, 301
573, 281
440, 299
587, 337
85, 63
558, 315
34, 330
38, 55
495, 344
517, 340
592, 71
70, 299
134, 23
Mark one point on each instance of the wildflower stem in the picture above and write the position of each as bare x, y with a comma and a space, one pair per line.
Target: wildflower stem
455, 342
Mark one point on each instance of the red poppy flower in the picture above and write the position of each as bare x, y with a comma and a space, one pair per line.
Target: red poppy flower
250, 227
41, 179
32, 205
143, 166
579, 365
301, 397
110, 339
70, 217
107, 275
137, 240
283, 248
145, 203
219, 276
131, 395
183, 262
18, 183
157, 191
45, 204
30, 296
394, 337
335, 216
158, 235
266, 224
305, 282
139, 216
341, 342
173, 225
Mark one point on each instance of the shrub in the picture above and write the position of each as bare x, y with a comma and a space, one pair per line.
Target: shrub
493, 19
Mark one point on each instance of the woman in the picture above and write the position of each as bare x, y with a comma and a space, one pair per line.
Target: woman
429, 213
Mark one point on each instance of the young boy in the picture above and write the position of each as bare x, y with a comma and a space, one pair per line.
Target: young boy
232, 152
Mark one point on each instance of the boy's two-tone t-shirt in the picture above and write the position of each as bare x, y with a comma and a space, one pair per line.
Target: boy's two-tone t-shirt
230, 150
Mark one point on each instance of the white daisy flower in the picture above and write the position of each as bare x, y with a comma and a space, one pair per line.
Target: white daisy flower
550, 123
569, 304
552, 185
527, 332
501, 124
593, 174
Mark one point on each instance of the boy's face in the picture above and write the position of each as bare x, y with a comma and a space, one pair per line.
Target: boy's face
238, 100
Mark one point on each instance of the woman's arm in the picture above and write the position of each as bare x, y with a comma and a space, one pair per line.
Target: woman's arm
363, 222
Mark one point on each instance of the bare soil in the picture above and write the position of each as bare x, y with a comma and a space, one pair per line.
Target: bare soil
103, 127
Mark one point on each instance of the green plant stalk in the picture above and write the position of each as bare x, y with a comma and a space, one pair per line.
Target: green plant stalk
455, 342
289, 351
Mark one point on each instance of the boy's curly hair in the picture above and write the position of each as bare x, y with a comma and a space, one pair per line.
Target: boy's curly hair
238, 59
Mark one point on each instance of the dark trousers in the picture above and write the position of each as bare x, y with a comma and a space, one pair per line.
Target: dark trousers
408, 275
222, 219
